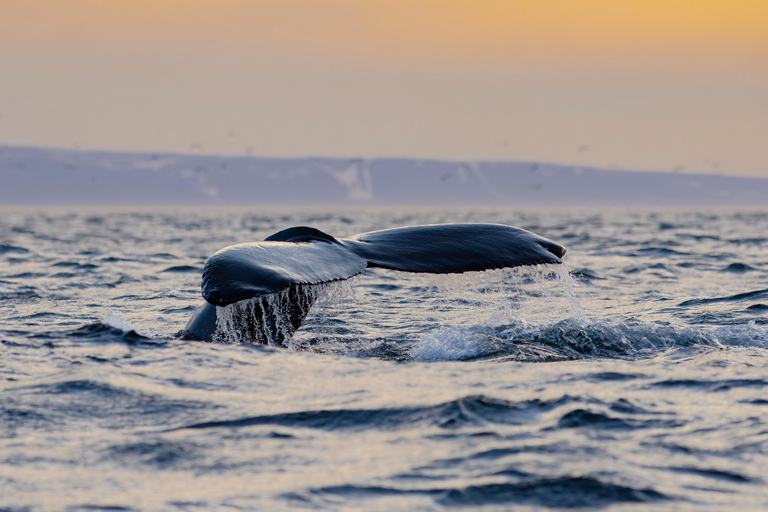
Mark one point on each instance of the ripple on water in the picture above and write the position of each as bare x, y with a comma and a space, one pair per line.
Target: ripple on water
12, 249
95, 403
156, 454
582, 418
563, 492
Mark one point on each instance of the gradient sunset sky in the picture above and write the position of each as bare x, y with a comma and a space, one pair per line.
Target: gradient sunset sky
664, 85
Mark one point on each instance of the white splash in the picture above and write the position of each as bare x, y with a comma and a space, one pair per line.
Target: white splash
491, 303
117, 320
453, 344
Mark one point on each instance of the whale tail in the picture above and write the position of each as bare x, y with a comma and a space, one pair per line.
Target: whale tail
261, 292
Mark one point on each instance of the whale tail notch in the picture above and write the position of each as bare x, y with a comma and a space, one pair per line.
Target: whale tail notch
275, 278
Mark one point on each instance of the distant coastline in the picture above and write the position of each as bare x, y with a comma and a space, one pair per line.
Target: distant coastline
63, 177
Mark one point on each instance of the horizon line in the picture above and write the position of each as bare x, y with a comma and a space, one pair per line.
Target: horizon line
191, 153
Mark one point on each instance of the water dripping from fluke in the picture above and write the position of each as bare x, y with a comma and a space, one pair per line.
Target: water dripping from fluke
479, 315
268, 319
510, 315
567, 284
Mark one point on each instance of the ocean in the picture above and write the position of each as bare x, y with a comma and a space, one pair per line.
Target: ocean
633, 377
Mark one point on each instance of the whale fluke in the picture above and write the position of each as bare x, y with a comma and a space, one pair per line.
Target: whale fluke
267, 287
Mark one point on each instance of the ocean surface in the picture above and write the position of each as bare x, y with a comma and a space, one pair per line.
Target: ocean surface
631, 378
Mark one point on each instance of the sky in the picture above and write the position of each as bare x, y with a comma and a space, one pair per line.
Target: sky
673, 85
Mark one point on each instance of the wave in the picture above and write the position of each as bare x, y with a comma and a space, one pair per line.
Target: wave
739, 268
14, 249
513, 340
108, 331
563, 492
467, 411
183, 269
75, 404
576, 339
476, 411
112, 328
739, 297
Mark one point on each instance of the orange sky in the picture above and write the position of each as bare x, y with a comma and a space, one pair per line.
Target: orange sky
403, 28
292, 77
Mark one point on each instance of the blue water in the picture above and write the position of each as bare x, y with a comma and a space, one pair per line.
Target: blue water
632, 378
